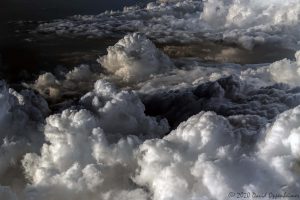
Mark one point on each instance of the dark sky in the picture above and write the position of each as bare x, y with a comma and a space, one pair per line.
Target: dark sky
49, 9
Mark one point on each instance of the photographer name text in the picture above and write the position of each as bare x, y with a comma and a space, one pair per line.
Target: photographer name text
266, 195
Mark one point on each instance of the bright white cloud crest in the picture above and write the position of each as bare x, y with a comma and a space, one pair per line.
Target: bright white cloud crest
134, 58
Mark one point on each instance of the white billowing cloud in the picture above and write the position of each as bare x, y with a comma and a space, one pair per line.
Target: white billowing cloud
123, 107
21, 117
80, 78
281, 149
205, 157
254, 22
245, 14
86, 148
77, 162
283, 71
75, 82
24, 106
47, 85
135, 58
169, 162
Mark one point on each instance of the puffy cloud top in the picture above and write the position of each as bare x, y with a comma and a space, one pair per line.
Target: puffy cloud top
281, 146
135, 58
84, 148
125, 107
284, 71
75, 82
21, 119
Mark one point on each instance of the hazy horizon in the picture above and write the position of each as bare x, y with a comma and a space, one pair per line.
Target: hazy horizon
11, 10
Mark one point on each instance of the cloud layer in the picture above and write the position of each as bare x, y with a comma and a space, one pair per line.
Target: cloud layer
144, 126
247, 23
